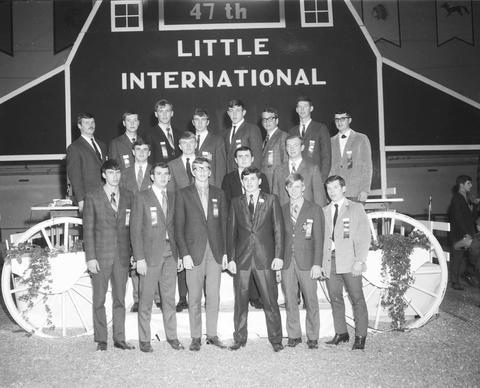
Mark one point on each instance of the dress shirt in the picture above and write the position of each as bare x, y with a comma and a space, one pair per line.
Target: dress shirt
306, 124
109, 193
89, 141
232, 134
343, 140
137, 167
203, 194
332, 205
203, 136
132, 138
295, 163
164, 128
255, 198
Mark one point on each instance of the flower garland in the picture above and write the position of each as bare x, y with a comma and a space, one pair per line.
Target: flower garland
396, 251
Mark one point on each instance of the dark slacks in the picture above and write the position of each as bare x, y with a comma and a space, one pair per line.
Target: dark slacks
182, 284
118, 276
458, 261
353, 285
267, 286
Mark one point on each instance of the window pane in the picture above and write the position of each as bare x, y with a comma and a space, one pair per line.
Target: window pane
133, 9
310, 17
120, 9
120, 22
309, 5
322, 17
133, 21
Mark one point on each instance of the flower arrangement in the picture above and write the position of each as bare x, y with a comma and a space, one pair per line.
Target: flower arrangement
396, 251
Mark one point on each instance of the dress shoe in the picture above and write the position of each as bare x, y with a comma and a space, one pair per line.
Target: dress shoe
176, 344
134, 308
159, 305
344, 337
236, 345
181, 305
359, 343
282, 305
469, 279
292, 342
457, 286
312, 344
277, 347
215, 341
256, 303
146, 347
195, 345
102, 346
123, 345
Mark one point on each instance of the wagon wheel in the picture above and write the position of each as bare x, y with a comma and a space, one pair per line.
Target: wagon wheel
69, 296
428, 268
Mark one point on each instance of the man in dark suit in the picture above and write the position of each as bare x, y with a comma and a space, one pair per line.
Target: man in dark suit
314, 189
345, 251
85, 157
155, 251
240, 134
315, 136
304, 233
255, 238
120, 148
106, 236
200, 227
163, 139
210, 146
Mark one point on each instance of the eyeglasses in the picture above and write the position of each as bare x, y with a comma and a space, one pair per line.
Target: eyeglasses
201, 168
341, 119
268, 119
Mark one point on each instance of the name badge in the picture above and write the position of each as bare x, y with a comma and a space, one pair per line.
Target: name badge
127, 217
207, 155
311, 146
215, 207
307, 227
261, 200
238, 143
349, 159
270, 158
153, 215
346, 228
126, 161
163, 145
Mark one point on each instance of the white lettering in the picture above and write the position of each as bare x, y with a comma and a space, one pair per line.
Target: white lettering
259, 45
124, 81
180, 50
188, 78
266, 77
241, 77
203, 78
224, 80
227, 43
169, 78
286, 78
315, 80
240, 48
154, 75
301, 78
134, 80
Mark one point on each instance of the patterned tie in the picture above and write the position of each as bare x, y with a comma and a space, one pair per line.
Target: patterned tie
232, 134
113, 202
198, 143
335, 215
251, 207
266, 141
170, 137
189, 170
293, 170
294, 213
97, 151
164, 202
139, 177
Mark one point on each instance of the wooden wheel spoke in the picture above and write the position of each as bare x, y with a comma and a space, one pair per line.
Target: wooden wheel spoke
413, 306
18, 289
79, 312
424, 290
377, 312
89, 300
369, 295
372, 229
47, 239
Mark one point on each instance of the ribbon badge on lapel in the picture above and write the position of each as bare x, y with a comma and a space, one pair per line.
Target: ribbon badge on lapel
215, 207
349, 159
126, 161
207, 155
127, 217
346, 228
270, 158
153, 215
311, 147
163, 145
307, 228
238, 143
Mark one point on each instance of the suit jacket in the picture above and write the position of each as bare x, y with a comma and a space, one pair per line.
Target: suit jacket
84, 167
352, 236
274, 154
302, 240
159, 142
120, 149
260, 240
246, 135
317, 149
213, 148
462, 218
193, 229
355, 166
149, 225
314, 189
232, 186
106, 234
128, 179
179, 177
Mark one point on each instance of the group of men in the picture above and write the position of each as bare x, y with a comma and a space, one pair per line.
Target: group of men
196, 204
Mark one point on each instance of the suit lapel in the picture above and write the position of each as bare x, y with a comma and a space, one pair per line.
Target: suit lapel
146, 178
246, 212
196, 198
89, 147
259, 209
154, 201
348, 144
302, 215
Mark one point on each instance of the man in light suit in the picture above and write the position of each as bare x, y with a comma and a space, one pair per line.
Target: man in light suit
304, 233
314, 189
352, 158
120, 148
210, 146
107, 250
255, 238
163, 139
345, 250
85, 157
274, 153
315, 135
155, 251
240, 134
200, 227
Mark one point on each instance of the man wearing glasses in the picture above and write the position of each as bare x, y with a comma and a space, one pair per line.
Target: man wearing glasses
351, 158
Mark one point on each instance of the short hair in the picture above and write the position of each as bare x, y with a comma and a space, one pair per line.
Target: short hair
201, 160
462, 179
140, 142
84, 115
290, 137
292, 178
236, 102
304, 99
333, 178
243, 148
161, 103
251, 170
341, 112
128, 113
187, 135
110, 164
201, 112
269, 109
159, 165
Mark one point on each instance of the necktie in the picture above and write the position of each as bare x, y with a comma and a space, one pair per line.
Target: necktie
97, 151
294, 213
164, 202
113, 202
198, 142
251, 207
293, 169
139, 177
170, 137
232, 134
303, 131
335, 215
344, 136
189, 170
133, 140
266, 141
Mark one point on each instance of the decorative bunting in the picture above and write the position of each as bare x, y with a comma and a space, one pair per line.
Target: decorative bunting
68, 20
6, 27
454, 21
382, 18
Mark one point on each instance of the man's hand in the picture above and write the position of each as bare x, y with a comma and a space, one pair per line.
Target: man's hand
316, 272
180, 265
92, 266
277, 264
187, 262
80, 206
357, 268
224, 262
362, 196
142, 267
232, 267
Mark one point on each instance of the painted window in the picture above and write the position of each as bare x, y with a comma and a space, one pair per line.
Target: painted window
126, 15
316, 13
